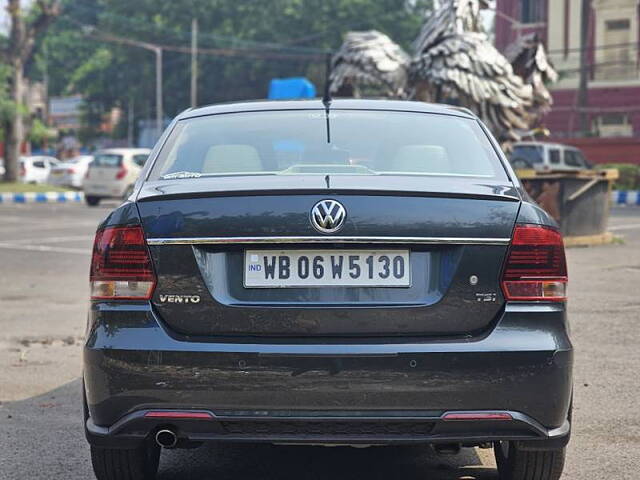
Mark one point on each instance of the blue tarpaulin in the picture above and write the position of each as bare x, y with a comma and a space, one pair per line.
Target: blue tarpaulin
294, 87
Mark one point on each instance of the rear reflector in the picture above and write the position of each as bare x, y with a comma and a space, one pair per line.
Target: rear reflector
477, 416
536, 268
121, 265
179, 415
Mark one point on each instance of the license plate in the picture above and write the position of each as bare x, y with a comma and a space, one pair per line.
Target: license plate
56, 174
326, 268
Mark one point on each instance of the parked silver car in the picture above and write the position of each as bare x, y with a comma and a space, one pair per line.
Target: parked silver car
71, 172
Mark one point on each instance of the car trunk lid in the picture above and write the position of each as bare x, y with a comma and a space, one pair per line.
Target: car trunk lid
455, 233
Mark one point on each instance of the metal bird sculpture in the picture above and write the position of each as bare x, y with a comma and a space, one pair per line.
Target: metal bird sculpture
455, 63
529, 60
369, 59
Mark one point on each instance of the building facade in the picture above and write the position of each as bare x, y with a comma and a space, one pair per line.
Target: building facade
613, 63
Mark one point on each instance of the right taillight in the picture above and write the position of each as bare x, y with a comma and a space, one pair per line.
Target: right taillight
122, 172
536, 268
121, 265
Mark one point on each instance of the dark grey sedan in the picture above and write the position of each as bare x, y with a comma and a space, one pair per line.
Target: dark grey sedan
359, 273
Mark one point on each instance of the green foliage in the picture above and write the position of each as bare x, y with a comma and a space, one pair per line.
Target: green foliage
109, 74
19, 187
39, 132
629, 178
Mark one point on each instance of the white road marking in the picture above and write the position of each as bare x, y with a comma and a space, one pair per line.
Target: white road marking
631, 226
17, 219
30, 228
69, 238
44, 248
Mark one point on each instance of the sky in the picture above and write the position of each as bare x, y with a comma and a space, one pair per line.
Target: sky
4, 16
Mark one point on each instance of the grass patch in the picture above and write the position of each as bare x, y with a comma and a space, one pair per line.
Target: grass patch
17, 187
629, 176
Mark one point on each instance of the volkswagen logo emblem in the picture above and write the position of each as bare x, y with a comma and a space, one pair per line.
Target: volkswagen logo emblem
328, 216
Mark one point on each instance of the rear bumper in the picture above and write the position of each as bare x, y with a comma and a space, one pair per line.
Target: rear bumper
65, 181
329, 428
104, 190
305, 392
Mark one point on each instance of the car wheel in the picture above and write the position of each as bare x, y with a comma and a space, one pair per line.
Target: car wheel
517, 464
92, 201
123, 464
126, 463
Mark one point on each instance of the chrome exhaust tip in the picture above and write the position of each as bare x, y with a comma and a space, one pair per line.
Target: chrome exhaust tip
166, 438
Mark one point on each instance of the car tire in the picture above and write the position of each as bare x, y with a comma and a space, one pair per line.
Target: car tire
517, 464
122, 464
92, 201
127, 463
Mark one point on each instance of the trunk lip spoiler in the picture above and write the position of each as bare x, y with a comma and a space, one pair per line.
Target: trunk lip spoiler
327, 239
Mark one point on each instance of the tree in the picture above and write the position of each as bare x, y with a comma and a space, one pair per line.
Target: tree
17, 54
109, 74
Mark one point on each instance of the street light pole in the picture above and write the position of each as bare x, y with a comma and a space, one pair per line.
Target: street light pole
159, 109
194, 62
583, 86
156, 49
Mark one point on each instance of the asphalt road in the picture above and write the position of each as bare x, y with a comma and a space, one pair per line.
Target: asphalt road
44, 262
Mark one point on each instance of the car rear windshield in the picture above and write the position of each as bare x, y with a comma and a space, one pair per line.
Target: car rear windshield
531, 153
304, 142
107, 160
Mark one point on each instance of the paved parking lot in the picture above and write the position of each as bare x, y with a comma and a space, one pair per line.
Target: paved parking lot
44, 262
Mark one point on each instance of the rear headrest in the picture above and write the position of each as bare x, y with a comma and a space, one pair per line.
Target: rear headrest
421, 159
231, 159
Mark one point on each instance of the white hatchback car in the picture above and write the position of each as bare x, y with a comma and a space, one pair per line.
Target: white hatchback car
112, 173
36, 169
70, 173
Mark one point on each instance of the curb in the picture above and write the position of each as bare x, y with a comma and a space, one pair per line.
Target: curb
41, 197
625, 197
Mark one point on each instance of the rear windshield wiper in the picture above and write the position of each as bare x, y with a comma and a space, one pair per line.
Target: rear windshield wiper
171, 176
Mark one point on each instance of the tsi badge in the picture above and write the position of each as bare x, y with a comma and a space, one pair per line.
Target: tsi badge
485, 297
179, 298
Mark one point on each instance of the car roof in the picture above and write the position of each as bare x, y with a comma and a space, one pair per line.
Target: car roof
542, 144
124, 151
35, 158
77, 158
316, 104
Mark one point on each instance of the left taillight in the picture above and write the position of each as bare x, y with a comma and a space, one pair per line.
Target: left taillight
121, 266
536, 268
